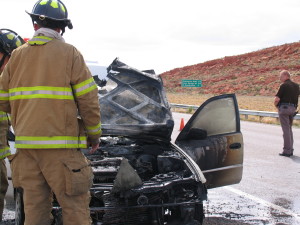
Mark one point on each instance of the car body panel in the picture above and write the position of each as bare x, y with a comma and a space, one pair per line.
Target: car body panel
133, 103
213, 139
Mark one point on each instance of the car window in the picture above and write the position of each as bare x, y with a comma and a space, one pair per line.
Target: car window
217, 117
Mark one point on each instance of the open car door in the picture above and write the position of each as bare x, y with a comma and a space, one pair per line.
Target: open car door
212, 137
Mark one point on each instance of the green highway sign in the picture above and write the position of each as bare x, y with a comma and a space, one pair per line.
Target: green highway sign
191, 83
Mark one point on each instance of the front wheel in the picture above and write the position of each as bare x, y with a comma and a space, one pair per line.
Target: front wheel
190, 214
20, 215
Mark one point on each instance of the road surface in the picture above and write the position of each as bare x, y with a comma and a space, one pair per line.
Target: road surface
269, 192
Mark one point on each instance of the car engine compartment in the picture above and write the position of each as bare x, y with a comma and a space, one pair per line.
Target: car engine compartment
154, 179
148, 159
142, 182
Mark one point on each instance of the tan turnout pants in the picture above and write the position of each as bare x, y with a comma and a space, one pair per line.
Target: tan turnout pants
66, 172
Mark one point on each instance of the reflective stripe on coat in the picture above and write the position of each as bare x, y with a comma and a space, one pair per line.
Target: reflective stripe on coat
45, 86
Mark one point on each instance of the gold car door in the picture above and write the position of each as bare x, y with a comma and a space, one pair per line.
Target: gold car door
213, 139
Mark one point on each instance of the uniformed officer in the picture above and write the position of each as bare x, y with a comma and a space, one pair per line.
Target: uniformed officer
286, 101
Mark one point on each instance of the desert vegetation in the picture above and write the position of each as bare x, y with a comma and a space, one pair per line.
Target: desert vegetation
253, 77
250, 74
257, 103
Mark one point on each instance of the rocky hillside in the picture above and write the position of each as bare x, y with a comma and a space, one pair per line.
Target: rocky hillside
254, 73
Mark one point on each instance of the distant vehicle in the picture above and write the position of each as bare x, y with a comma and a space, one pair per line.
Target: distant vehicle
140, 176
97, 69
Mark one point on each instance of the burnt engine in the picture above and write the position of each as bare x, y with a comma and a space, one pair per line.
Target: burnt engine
147, 159
143, 182
140, 182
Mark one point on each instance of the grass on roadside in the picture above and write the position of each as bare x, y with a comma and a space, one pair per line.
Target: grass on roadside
257, 103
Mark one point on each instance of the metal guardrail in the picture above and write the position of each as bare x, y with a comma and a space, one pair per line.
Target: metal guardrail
242, 111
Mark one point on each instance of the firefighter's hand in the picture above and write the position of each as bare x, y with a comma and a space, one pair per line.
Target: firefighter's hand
94, 148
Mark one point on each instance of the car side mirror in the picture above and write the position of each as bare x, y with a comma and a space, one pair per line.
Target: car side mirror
197, 134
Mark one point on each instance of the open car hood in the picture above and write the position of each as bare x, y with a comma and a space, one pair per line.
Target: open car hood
133, 103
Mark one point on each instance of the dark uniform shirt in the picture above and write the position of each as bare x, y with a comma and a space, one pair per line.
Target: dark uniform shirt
289, 92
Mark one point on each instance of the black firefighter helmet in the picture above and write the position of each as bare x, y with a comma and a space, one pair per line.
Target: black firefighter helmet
51, 14
9, 40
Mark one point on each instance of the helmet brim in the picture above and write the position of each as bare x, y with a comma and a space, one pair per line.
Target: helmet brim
67, 21
38, 15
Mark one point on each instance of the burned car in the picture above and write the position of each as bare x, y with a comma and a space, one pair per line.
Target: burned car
140, 176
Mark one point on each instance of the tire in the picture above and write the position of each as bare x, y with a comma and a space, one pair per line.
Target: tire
181, 217
199, 213
19, 212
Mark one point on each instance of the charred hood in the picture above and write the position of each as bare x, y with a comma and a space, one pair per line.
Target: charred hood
133, 103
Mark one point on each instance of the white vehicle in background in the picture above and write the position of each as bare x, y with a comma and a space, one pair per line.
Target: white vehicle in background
97, 69
10, 192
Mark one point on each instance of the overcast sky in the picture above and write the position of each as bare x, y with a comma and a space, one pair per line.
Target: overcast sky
167, 34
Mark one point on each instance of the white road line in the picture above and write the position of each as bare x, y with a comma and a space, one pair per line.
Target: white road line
263, 202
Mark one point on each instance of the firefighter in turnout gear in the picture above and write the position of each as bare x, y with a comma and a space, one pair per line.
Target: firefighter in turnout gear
45, 87
9, 40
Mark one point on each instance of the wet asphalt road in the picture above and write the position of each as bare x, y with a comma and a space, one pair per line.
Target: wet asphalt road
269, 192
